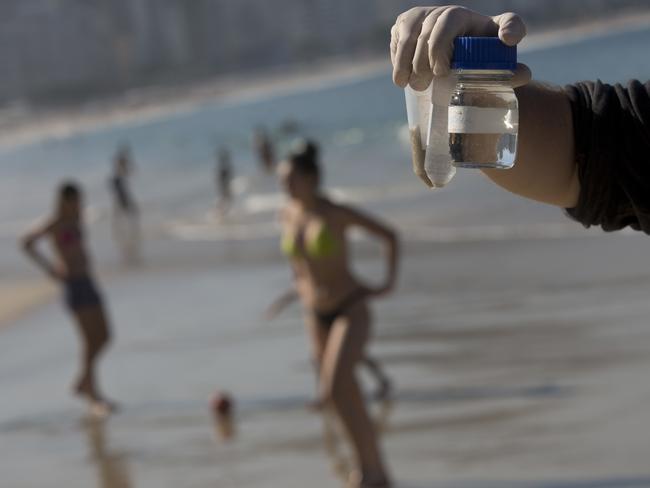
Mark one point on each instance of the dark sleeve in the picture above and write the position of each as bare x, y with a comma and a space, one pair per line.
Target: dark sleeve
611, 127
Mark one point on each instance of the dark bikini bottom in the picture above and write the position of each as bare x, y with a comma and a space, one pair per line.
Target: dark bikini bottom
326, 319
80, 292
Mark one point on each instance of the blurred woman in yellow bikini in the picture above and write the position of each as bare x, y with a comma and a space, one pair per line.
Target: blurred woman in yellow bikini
314, 239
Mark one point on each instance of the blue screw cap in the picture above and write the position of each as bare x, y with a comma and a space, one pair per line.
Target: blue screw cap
483, 53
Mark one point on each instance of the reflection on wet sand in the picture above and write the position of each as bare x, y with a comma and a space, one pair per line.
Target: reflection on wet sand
224, 427
112, 466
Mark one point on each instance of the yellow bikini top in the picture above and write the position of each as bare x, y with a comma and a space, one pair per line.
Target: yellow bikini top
322, 245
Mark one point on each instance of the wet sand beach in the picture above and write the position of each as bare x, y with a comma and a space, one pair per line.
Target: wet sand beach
18, 298
517, 363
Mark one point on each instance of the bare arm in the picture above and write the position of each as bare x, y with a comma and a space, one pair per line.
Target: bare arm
29, 242
291, 294
545, 168
384, 232
280, 303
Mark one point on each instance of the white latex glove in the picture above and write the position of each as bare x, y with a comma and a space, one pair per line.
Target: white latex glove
422, 41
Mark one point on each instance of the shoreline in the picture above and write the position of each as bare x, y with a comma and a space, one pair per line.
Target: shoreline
22, 127
503, 370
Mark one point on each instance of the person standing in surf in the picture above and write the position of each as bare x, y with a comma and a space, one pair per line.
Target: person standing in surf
263, 148
314, 239
126, 219
223, 180
72, 271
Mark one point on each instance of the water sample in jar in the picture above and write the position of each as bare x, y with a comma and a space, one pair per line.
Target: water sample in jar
483, 114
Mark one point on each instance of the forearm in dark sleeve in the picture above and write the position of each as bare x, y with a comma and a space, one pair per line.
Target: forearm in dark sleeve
612, 150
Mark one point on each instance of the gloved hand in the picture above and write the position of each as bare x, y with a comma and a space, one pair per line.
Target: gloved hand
422, 41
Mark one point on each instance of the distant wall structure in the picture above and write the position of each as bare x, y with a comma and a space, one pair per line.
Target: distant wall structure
58, 49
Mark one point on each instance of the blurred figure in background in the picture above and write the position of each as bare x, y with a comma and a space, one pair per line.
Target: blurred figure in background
126, 221
314, 239
224, 176
263, 147
289, 127
73, 271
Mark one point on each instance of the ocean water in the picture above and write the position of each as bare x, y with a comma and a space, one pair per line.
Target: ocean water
359, 124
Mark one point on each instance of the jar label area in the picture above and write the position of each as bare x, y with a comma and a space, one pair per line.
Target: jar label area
480, 120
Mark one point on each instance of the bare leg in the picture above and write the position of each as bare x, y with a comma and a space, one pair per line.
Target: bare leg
318, 339
95, 334
383, 390
118, 228
131, 237
223, 206
344, 348
126, 233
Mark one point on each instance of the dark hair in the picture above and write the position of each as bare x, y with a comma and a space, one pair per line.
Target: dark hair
69, 190
304, 158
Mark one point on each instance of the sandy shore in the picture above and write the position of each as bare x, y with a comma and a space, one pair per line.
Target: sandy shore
518, 364
18, 298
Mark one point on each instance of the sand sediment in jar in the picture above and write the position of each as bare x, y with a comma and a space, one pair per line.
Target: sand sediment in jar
478, 149
482, 150
418, 154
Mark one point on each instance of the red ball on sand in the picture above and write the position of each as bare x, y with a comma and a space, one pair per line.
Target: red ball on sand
221, 403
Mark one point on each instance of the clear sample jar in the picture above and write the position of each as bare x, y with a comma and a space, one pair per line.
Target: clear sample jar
483, 117
427, 124
418, 113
